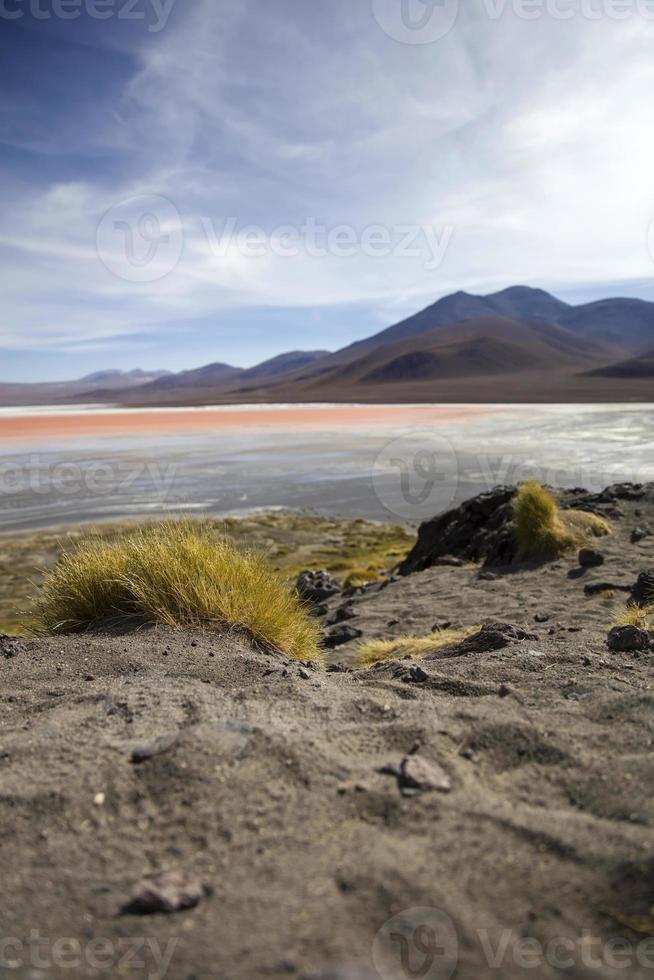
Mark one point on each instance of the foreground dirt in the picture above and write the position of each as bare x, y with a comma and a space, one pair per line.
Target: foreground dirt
491, 816
269, 791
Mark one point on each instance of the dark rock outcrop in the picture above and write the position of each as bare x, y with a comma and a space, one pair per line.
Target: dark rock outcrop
479, 529
642, 593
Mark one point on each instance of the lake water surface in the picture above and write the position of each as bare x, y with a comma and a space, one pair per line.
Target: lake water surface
398, 463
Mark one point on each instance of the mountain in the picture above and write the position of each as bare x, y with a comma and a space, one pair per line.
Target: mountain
122, 379
625, 323
641, 366
203, 377
485, 346
110, 385
516, 344
283, 363
213, 376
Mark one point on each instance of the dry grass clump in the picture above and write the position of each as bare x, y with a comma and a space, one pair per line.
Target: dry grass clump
638, 616
543, 531
179, 574
417, 647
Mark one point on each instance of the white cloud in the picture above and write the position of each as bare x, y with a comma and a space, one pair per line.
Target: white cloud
533, 140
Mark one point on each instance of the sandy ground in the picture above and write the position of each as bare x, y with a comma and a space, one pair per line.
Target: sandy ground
107, 422
270, 791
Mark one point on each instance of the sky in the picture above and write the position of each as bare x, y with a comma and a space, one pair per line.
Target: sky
188, 181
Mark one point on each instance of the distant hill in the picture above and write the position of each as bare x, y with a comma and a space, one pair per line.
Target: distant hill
641, 366
204, 377
516, 344
121, 378
110, 385
284, 363
484, 346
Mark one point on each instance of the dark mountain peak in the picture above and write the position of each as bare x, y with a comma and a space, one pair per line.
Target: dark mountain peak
523, 292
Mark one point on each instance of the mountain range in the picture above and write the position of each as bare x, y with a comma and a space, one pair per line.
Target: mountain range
520, 344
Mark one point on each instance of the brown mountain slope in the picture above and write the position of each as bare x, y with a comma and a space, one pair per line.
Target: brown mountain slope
636, 367
488, 346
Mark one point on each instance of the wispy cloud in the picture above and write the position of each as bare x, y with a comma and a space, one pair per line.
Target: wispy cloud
531, 140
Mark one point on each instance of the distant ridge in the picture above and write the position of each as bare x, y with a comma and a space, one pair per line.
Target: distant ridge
517, 344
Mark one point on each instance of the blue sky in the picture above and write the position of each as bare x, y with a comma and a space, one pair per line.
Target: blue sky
137, 150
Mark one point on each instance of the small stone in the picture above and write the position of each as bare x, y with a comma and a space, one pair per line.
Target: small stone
98, 799
486, 577
639, 534
304, 674
420, 774
151, 749
342, 614
415, 675
173, 891
341, 635
444, 625
542, 618
316, 586
590, 558
628, 639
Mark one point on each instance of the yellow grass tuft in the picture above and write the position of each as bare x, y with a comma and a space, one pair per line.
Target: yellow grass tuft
638, 616
543, 531
179, 574
417, 647
361, 576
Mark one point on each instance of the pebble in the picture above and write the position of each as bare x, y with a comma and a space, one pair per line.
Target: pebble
417, 773
341, 635
151, 749
590, 558
172, 891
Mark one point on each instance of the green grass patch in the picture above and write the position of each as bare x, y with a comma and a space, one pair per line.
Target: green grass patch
179, 574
